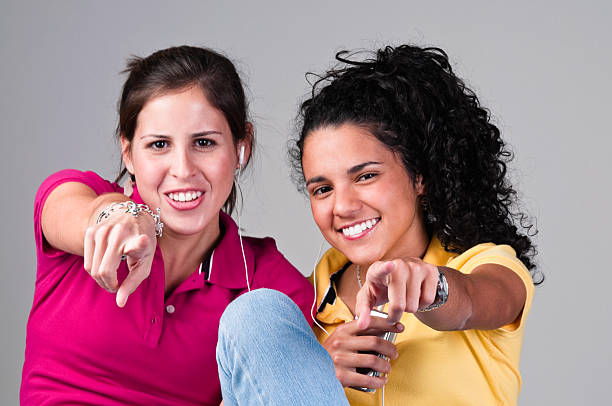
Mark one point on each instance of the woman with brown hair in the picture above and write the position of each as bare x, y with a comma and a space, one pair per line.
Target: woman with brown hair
165, 240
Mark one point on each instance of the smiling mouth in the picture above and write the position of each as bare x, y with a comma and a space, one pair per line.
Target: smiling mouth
359, 228
184, 196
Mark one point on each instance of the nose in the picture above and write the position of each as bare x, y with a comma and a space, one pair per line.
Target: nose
183, 165
346, 201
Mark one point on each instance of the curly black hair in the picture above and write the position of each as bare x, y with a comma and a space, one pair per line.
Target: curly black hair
409, 98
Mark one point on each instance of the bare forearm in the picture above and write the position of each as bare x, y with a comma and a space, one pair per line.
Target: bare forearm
488, 298
457, 311
69, 210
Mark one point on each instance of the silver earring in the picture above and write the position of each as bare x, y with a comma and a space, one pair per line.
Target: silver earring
429, 216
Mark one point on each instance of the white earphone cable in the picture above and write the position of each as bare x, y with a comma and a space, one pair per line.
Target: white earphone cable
246, 271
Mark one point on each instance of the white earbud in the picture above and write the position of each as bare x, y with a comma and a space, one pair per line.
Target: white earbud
241, 157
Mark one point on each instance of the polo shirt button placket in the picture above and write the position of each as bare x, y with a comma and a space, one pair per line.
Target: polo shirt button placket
153, 333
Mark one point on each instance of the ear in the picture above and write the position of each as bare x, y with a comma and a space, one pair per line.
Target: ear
247, 143
419, 185
126, 154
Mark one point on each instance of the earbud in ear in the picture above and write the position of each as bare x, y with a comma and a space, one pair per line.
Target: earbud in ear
241, 157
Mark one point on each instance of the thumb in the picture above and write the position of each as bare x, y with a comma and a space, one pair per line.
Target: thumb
363, 305
138, 247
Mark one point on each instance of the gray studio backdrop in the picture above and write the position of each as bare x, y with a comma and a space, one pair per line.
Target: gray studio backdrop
543, 68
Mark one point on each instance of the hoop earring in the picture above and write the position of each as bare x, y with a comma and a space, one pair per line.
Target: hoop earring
128, 186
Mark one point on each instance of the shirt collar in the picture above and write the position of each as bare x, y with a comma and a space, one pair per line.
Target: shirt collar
436, 254
330, 309
226, 267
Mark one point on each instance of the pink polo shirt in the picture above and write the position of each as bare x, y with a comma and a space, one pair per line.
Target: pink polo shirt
83, 349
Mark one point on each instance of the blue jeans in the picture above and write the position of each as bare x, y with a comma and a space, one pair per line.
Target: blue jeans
268, 355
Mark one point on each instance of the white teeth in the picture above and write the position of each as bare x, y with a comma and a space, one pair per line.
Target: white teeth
359, 228
184, 196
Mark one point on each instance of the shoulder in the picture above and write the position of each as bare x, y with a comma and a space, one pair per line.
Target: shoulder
488, 253
504, 255
265, 252
88, 178
271, 266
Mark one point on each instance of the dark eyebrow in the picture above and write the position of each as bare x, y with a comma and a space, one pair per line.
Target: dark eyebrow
158, 136
359, 167
196, 135
316, 179
205, 133
350, 171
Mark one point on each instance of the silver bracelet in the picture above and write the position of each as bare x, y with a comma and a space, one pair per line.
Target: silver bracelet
134, 209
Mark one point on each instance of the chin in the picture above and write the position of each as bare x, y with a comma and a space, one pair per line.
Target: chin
185, 227
360, 256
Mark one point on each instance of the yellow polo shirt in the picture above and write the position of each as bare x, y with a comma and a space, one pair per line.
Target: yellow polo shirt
470, 367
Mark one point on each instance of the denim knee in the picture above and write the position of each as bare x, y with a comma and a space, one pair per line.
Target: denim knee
257, 311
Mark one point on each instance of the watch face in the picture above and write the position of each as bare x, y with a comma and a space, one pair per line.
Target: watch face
442, 293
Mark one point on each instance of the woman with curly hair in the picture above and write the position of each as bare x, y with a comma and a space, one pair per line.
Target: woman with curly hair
407, 181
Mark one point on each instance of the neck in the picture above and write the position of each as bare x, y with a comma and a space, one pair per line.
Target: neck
183, 254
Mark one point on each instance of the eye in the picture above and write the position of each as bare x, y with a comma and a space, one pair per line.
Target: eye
367, 176
319, 191
160, 144
204, 142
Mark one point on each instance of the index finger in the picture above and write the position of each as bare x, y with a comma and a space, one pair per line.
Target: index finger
364, 303
139, 269
373, 292
131, 282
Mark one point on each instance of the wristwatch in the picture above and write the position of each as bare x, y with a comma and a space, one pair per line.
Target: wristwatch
441, 293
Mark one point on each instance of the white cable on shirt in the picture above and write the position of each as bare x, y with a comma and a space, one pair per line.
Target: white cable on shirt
383, 395
246, 272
